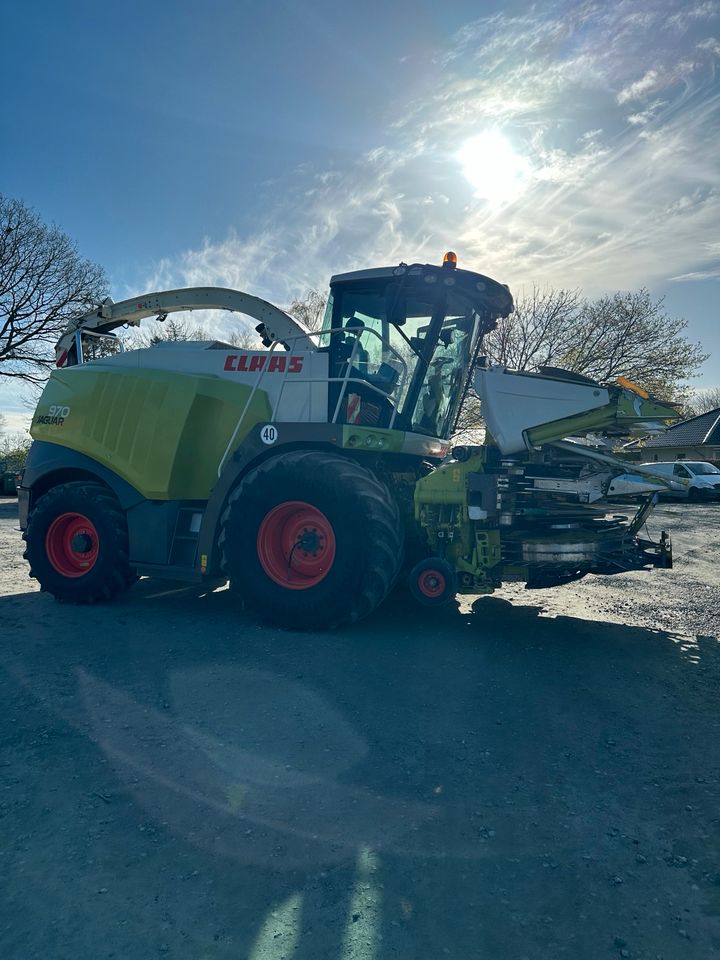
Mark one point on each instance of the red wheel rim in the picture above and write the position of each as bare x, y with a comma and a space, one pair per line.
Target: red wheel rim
296, 545
432, 583
71, 544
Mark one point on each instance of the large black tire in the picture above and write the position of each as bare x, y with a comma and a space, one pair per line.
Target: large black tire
352, 557
77, 543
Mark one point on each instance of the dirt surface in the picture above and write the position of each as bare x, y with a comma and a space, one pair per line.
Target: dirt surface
537, 775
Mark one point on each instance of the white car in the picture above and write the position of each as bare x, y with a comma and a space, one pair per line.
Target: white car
703, 479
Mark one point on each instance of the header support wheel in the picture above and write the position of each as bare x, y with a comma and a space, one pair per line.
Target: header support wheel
433, 582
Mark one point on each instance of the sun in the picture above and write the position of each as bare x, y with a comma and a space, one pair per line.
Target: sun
491, 165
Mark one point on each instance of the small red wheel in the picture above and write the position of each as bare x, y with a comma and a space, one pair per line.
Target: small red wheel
296, 545
432, 582
72, 544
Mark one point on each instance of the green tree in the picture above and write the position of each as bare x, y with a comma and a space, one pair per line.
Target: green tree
44, 282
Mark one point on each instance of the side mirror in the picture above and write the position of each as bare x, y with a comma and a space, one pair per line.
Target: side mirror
395, 305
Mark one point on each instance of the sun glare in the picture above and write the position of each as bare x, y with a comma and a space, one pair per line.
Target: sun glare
490, 164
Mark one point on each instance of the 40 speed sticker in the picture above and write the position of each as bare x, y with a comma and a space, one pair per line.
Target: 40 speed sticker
268, 434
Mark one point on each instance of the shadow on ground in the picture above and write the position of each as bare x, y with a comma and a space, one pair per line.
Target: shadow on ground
183, 782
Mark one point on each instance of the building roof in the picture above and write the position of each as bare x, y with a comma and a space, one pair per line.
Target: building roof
702, 429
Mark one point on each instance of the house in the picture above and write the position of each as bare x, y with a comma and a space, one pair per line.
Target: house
695, 439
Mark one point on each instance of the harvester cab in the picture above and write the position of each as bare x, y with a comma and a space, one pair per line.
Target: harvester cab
402, 341
314, 472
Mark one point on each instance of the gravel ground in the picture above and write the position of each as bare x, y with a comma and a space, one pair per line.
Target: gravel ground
535, 775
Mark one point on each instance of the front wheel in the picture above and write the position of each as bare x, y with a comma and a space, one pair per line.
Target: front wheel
77, 543
311, 540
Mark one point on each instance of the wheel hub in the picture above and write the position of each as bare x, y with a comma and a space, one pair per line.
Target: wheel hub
432, 583
81, 543
72, 544
296, 545
310, 542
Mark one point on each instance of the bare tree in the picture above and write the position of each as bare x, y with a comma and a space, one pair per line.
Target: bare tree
172, 330
539, 331
14, 449
44, 282
703, 401
13, 446
534, 335
176, 329
246, 338
631, 335
470, 426
309, 309
621, 334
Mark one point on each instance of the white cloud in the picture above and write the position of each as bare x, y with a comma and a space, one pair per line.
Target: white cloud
694, 275
568, 167
711, 45
645, 116
689, 13
635, 91
614, 200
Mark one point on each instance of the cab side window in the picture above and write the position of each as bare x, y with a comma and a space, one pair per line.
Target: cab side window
680, 471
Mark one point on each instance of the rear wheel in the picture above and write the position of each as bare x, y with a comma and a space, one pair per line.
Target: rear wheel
77, 543
311, 540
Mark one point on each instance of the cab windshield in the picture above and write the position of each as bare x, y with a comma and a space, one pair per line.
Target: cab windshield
412, 346
702, 469
443, 383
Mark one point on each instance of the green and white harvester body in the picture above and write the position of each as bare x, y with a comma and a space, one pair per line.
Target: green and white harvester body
316, 472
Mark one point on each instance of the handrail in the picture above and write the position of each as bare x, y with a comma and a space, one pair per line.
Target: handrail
345, 380
79, 334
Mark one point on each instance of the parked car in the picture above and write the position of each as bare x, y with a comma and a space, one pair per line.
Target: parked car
703, 479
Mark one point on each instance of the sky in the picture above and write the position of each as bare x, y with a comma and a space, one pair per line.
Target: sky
266, 146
